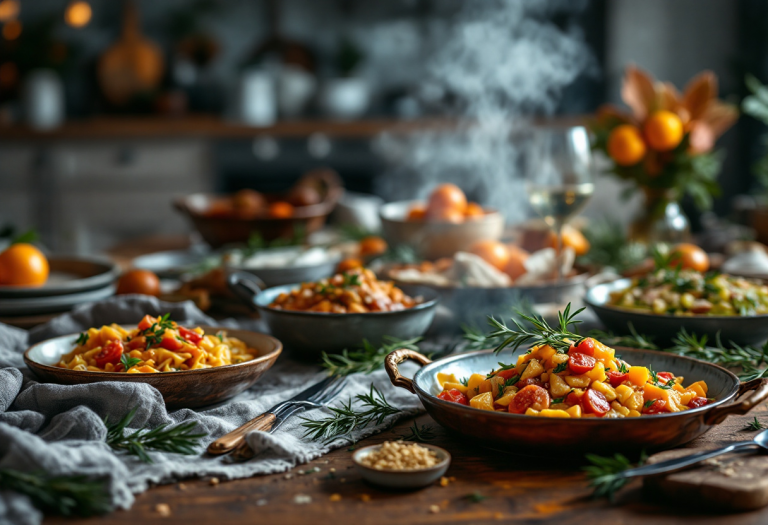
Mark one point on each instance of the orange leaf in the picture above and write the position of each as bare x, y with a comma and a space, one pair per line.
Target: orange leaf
719, 117
699, 92
670, 99
638, 92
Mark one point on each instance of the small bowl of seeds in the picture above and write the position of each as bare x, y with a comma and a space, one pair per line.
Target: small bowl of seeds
401, 464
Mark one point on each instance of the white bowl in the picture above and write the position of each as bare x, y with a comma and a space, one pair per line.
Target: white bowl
402, 479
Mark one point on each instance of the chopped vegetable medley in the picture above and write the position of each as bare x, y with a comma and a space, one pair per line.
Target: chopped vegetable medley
688, 292
587, 380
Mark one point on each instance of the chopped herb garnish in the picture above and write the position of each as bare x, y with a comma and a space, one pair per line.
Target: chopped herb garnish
560, 367
220, 335
464, 381
83, 338
623, 367
649, 403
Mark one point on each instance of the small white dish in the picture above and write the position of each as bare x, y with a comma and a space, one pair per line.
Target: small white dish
402, 479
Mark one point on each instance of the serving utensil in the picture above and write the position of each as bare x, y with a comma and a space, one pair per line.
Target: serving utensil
313, 397
760, 441
309, 334
540, 435
742, 330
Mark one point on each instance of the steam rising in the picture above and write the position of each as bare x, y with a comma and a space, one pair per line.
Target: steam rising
499, 62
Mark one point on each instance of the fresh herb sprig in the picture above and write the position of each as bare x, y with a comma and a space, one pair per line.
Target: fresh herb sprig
180, 439
604, 473
421, 434
344, 419
754, 425
559, 337
65, 495
367, 359
154, 334
128, 361
82, 339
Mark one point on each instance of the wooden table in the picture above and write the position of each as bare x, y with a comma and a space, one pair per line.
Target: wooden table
516, 489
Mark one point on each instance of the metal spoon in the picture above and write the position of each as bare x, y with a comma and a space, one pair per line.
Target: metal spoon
759, 441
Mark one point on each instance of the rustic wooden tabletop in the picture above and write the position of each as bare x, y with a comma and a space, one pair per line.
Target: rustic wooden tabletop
483, 487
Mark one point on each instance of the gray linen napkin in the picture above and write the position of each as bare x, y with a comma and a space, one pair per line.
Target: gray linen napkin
60, 428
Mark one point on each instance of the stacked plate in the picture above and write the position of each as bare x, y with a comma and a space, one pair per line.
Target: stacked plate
73, 281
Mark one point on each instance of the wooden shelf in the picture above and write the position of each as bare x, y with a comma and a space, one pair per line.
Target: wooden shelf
213, 127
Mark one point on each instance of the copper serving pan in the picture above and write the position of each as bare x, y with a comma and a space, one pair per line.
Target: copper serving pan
538, 435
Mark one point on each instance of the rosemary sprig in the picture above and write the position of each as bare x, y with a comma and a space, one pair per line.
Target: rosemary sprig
754, 425
475, 497
65, 495
559, 337
344, 419
179, 439
420, 434
604, 472
367, 359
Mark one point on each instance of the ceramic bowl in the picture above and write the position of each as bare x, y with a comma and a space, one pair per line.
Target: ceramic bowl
742, 330
183, 389
433, 240
309, 334
402, 479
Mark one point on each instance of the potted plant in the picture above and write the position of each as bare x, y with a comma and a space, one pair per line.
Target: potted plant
665, 146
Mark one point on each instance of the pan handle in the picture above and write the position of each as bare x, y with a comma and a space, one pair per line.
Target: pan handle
760, 386
246, 287
397, 357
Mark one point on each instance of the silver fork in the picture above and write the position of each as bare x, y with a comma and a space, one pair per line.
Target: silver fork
243, 452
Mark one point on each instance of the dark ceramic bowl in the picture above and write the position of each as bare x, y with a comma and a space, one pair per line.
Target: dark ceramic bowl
553, 436
309, 334
184, 389
738, 329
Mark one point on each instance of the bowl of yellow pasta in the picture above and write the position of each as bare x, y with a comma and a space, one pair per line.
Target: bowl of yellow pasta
190, 367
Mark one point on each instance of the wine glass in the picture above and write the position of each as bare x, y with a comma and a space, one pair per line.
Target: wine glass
559, 181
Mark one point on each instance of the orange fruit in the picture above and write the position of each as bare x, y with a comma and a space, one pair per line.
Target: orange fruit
417, 213
445, 215
447, 196
141, 282
248, 203
474, 210
280, 210
372, 245
348, 264
663, 130
494, 253
572, 238
690, 256
515, 266
23, 265
625, 145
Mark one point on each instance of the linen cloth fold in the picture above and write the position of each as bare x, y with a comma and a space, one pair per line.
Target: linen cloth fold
60, 428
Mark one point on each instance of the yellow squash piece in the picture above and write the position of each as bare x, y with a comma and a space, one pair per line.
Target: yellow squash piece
446, 378
548, 412
482, 401
638, 375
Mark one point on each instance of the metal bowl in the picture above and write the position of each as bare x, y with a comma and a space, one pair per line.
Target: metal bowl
738, 329
472, 305
552, 436
183, 389
308, 334
433, 240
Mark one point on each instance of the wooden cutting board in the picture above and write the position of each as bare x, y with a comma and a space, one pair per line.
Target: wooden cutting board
733, 482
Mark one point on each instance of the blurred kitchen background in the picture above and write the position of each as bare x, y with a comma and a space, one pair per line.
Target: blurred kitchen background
110, 109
